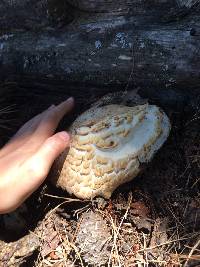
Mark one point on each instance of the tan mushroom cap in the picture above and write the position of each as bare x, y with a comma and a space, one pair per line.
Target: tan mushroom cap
108, 145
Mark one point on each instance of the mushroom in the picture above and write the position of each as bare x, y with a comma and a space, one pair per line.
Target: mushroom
108, 146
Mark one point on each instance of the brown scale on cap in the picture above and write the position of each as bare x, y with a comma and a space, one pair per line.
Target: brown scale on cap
108, 145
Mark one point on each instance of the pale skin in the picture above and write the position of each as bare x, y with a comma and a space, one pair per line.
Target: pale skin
26, 159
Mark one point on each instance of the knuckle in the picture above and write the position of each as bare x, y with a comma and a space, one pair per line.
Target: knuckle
54, 143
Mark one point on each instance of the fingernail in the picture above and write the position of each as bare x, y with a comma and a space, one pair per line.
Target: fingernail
70, 100
64, 136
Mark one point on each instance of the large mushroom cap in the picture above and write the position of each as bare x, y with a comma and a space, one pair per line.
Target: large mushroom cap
108, 145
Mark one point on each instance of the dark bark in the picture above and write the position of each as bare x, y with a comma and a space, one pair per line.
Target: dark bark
135, 48
108, 52
50, 51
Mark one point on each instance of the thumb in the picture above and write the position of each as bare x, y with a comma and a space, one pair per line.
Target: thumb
48, 152
38, 166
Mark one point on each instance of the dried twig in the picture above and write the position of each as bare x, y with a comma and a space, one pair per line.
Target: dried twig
191, 252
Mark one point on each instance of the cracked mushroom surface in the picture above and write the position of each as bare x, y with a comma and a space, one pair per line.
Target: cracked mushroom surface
108, 145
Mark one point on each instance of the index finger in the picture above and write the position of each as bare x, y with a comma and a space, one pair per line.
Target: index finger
64, 107
23, 134
50, 121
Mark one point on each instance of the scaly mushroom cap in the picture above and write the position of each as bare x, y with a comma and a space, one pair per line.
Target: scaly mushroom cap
108, 145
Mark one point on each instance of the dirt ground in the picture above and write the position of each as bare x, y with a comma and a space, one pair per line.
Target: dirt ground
152, 221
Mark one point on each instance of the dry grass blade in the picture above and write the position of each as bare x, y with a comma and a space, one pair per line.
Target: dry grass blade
191, 252
163, 244
3, 112
117, 230
53, 210
184, 256
67, 198
7, 109
77, 253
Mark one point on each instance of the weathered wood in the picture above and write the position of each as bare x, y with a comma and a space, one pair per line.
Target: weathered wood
107, 50
18, 15
138, 47
34, 15
30, 14
123, 6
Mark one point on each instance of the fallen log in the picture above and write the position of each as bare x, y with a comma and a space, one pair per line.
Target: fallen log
145, 49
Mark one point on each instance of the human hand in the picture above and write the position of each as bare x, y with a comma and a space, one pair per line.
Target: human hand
27, 158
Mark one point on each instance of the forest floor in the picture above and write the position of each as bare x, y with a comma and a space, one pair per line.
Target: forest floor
152, 221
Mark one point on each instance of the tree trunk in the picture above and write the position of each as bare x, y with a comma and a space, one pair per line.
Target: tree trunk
141, 47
